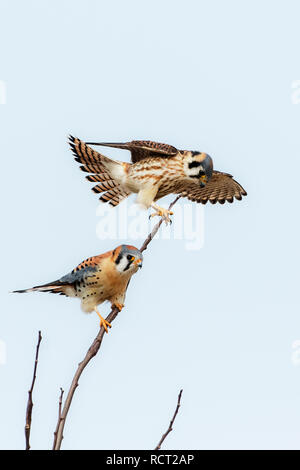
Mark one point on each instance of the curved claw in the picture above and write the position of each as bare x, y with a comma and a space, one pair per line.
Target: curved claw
163, 213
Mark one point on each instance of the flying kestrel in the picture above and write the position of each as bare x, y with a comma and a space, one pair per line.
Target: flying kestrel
156, 171
99, 278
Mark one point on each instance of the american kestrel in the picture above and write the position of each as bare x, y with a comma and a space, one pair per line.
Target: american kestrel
156, 170
99, 278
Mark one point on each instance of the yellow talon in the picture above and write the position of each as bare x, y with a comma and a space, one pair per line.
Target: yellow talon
161, 212
103, 322
119, 306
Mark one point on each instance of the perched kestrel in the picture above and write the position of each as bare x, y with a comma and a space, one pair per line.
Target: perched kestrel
156, 170
99, 278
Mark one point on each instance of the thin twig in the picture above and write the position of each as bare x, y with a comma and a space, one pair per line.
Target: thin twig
30, 402
92, 351
170, 428
59, 416
155, 228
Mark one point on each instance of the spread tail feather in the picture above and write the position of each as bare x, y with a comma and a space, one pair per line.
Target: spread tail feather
109, 173
95, 162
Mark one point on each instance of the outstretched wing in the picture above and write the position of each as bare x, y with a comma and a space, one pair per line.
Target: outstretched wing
141, 149
220, 188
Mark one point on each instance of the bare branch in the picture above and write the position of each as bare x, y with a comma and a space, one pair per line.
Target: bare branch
59, 416
30, 402
170, 428
92, 351
155, 228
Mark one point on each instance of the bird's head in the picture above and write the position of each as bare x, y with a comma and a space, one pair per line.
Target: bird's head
198, 166
127, 259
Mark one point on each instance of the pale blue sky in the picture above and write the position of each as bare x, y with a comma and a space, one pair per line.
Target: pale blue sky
218, 322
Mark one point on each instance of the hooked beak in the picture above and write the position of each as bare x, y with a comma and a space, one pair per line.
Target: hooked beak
139, 263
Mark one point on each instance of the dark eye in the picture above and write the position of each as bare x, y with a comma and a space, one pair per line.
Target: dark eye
130, 257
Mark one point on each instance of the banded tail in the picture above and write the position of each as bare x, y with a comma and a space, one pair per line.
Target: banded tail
108, 173
55, 287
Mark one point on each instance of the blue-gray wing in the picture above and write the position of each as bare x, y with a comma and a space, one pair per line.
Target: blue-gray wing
78, 275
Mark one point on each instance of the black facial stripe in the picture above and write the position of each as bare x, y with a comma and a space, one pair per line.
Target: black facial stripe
128, 265
119, 258
194, 164
194, 152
